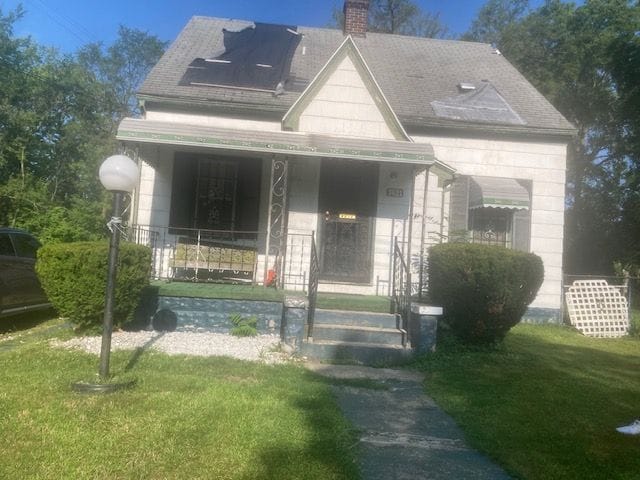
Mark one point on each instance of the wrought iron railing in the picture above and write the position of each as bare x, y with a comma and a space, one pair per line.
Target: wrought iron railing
295, 265
401, 288
199, 254
147, 237
314, 273
222, 255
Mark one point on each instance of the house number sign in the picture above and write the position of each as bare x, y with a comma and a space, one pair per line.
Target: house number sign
395, 192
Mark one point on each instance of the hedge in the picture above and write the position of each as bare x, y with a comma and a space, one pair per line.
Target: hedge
74, 277
484, 290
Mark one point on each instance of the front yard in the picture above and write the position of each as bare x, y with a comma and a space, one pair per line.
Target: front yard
545, 405
188, 417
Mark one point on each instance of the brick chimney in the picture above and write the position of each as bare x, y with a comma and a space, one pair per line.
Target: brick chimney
356, 14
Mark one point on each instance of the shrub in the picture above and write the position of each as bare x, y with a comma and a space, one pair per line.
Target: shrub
484, 290
244, 326
74, 277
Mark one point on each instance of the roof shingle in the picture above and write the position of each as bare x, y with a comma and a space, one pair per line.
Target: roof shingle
411, 71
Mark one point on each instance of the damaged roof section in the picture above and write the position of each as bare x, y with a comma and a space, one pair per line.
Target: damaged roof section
480, 104
255, 58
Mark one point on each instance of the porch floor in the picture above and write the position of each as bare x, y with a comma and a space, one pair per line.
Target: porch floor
332, 301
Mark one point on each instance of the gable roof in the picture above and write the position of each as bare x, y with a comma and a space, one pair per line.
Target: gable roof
348, 49
412, 72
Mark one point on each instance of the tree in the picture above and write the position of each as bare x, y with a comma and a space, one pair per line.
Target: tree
402, 17
123, 66
494, 18
52, 116
585, 60
57, 123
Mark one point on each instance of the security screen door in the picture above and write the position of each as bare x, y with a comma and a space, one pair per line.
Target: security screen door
347, 207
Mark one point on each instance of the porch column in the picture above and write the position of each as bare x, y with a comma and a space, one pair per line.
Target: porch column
410, 238
133, 152
423, 233
276, 241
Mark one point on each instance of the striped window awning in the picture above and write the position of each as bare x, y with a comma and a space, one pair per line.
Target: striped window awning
496, 192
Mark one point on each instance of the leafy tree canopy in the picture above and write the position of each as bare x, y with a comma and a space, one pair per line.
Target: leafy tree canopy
494, 18
123, 66
58, 115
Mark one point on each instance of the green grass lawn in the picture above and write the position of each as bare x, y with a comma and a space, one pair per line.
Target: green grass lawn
338, 301
187, 417
545, 404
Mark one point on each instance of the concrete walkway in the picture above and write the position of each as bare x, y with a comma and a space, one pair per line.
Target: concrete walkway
403, 434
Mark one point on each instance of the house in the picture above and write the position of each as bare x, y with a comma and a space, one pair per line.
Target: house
263, 147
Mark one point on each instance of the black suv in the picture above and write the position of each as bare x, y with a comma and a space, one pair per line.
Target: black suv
20, 289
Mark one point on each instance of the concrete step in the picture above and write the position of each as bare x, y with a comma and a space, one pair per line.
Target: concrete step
361, 319
355, 352
360, 334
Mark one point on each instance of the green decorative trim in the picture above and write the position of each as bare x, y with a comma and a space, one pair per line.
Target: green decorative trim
256, 146
502, 201
348, 48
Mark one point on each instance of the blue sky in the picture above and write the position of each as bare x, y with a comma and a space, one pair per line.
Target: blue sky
69, 24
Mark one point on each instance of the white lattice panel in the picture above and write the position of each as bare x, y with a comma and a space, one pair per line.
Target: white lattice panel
597, 309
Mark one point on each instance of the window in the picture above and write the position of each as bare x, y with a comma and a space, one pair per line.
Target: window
491, 226
6, 247
490, 211
26, 246
215, 193
215, 201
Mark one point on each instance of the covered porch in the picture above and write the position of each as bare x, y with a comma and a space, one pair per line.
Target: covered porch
221, 204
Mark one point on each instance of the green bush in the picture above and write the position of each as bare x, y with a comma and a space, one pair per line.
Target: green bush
244, 326
484, 290
74, 277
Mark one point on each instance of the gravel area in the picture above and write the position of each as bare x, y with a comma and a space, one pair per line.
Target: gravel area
263, 348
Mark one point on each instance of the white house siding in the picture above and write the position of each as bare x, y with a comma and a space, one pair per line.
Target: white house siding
154, 198
343, 106
542, 163
391, 222
211, 121
154, 195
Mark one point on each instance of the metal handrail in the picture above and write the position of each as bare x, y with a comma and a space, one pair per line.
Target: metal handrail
401, 288
314, 273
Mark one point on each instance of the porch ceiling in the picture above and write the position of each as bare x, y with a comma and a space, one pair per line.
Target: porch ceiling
285, 143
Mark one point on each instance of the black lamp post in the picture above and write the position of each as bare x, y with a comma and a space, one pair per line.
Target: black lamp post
118, 174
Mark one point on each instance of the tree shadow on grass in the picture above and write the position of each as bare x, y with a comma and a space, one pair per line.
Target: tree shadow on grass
26, 321
330, 452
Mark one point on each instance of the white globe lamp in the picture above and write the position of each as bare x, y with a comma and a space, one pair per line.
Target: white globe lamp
118, 173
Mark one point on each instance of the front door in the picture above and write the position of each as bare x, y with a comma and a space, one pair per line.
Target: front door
347, 204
